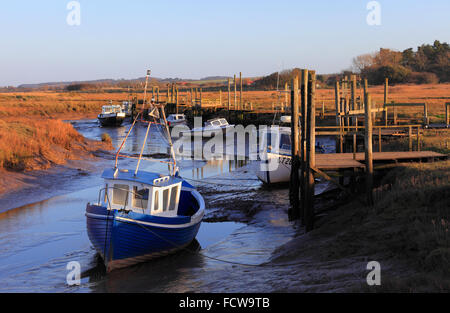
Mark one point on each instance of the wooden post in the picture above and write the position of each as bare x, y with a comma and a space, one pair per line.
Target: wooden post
323, 109
447, 113
410, 138
311, 152
337, 103
386, 94
425, 114
294, 211
229, 94
201, 97
157, 94
168, 93
368, 149
379, 139
418, 138
286, 96
235, 94
304, 121
355, 148
353, 97
220, 97
240, 93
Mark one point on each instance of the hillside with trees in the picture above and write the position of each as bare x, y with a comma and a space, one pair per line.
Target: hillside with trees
427, 65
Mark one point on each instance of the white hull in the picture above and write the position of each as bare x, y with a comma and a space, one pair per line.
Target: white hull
280, 174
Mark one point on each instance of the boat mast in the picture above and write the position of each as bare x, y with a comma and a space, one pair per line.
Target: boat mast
145, 89
169, 138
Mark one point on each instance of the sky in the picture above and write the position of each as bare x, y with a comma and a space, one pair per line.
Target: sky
199, 38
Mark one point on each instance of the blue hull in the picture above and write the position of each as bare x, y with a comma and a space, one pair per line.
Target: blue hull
124, 239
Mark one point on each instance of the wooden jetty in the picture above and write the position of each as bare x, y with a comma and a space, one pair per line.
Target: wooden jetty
354, 122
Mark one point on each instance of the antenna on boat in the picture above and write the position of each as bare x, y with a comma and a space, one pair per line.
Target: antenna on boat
172, 151
145, 89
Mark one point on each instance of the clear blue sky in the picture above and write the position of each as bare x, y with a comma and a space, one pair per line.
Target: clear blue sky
198, 38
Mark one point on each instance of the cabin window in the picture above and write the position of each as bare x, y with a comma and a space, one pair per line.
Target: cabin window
166, 199
120, 195
285, 142
223, 122
269, 139
173, 198
216, 123
106, 195
140, 197
156, 201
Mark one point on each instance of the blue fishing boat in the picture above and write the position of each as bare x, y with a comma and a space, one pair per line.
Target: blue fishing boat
142, 215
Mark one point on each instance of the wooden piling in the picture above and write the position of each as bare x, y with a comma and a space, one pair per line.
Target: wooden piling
311, 152
418, 138
295, 211
379, 139
229, 94
368, 149
410, 138
240, 92
235, 94
386, 94
303, 125
447, 113
337, 103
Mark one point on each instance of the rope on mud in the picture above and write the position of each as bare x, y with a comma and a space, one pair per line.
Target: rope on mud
193, 252
219, 183
214, 258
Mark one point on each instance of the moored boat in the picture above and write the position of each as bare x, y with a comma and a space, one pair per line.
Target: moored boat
212, 126
275, 164
142, 215
112, 115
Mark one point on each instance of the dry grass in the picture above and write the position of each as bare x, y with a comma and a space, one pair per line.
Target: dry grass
27, 144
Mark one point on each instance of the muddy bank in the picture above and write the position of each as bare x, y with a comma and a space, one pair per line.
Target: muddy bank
406, 232
74, 160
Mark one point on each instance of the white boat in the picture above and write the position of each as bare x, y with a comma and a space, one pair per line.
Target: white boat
276, 160
174, 120
112, 115
275, 164
211, 127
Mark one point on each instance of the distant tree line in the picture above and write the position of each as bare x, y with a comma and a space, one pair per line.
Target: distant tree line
429, 64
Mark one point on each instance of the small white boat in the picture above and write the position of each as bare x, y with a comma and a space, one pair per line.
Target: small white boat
275, 164
211, 127
112, 115
174, 120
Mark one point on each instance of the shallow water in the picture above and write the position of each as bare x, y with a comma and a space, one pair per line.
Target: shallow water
38, 240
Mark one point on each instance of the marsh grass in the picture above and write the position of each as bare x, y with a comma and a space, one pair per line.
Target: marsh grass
408, 225
26, 144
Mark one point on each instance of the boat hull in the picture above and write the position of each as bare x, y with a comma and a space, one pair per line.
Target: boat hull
127, 238
111, 121
279, 175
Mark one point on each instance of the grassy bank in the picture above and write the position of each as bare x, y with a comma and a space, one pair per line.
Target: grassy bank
407, 231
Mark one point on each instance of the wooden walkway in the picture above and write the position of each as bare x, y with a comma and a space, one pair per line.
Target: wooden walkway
342, 161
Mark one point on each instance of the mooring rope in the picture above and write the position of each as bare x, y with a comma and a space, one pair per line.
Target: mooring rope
221, 184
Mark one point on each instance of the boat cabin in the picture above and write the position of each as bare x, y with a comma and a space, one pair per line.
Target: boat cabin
278, 139
146, 193
176, 118
108, 109
217, 122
